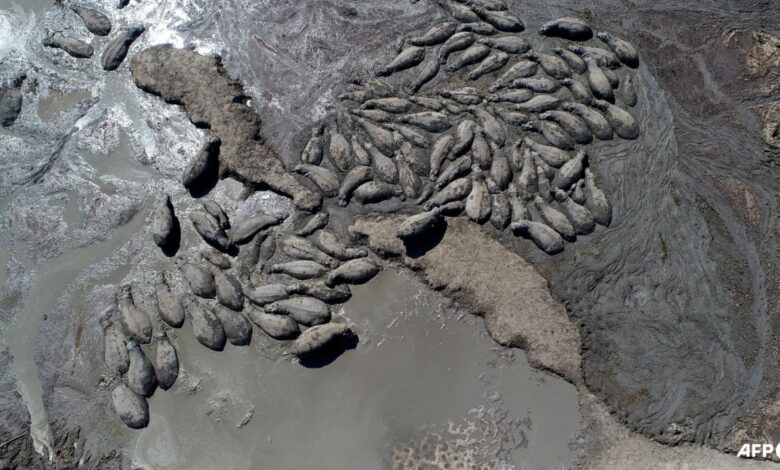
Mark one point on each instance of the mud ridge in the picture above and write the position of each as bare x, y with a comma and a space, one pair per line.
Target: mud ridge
212, 100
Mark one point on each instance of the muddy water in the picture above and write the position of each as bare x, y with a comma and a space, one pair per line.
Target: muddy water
48, 116
420, 374
50, 284
118, 162
52, 105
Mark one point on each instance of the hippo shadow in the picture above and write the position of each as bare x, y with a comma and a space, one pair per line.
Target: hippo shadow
231, 251
329, 353
420, 245
206, 181
173, 242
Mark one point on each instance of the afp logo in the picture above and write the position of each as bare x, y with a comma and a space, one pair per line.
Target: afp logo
751, 451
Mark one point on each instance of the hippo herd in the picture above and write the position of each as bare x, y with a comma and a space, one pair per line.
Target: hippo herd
97, 23
501, 135
227, 294
469, 118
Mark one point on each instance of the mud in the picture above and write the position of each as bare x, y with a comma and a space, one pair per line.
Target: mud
642, 276
56, 103
16, 443
687, 274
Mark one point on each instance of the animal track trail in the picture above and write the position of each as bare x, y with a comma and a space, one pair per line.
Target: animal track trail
469, 119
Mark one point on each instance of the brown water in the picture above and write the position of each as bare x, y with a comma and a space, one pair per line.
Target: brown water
118, 162
422, 373
56, 103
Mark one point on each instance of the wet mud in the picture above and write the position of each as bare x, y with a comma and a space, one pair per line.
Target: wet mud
685, 275
655, 269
